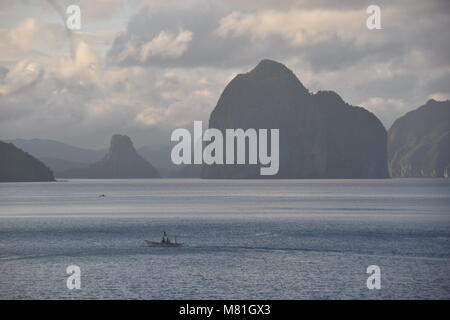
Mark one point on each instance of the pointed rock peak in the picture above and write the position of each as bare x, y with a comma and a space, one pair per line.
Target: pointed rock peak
270, 69
121, 143
121, 161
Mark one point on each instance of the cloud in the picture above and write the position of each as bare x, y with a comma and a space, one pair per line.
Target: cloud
22, 76
84, 63
150, 116
296, 27
179, 36
25, 34
99, 8
166, 45
29, 34
84, 100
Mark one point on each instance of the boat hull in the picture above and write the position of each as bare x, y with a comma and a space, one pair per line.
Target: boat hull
161, 244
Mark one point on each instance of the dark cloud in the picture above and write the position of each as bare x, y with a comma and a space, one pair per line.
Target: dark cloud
205, 48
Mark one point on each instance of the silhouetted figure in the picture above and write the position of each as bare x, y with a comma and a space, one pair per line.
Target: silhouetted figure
165, 239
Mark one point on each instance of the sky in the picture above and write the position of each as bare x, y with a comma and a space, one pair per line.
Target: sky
146, 67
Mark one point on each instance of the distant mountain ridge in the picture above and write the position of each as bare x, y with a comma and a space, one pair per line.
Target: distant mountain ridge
60, 157
19, 166
121, 161
52, 149
321, 136
419, 142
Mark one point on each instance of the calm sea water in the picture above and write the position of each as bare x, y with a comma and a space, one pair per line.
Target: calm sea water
291, 239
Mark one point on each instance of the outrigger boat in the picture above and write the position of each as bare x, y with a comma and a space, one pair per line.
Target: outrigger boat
165, 242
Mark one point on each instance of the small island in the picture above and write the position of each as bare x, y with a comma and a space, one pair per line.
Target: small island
120, 162
18, 166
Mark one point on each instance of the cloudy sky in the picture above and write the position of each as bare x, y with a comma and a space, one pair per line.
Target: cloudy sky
145, 67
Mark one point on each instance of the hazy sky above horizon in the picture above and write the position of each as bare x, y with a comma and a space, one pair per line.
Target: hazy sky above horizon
145, 67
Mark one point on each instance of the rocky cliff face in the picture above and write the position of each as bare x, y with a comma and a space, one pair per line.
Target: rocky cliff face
321, 136
121, 161
419, 142
19, 166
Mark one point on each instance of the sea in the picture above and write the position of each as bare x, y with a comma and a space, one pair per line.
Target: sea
242, 239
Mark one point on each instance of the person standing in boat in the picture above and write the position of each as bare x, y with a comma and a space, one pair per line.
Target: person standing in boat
164, 238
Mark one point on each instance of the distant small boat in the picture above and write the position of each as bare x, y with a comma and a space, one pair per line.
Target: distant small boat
165, 242
162, 244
